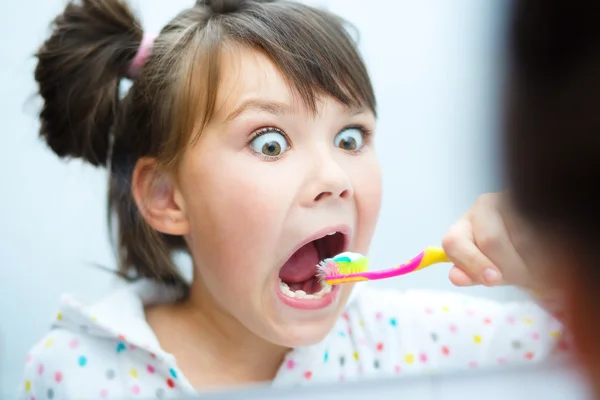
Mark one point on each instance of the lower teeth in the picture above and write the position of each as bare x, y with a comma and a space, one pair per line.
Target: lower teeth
301, 294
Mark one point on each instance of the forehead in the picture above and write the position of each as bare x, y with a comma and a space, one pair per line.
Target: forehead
249, 80
247, 74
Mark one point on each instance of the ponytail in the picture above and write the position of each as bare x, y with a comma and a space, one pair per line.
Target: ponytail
79, 69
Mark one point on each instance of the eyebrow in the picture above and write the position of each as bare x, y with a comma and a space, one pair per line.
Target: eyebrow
271, 107
276, 108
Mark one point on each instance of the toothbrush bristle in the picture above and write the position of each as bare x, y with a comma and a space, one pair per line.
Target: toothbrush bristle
331, 267
327, 268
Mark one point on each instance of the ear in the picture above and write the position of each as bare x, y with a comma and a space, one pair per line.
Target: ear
154, 192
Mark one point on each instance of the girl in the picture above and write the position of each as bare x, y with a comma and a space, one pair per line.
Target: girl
247, 141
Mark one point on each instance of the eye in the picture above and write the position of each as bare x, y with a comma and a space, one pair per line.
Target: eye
350, 139
270, 142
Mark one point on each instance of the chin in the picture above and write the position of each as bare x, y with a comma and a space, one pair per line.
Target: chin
303, 334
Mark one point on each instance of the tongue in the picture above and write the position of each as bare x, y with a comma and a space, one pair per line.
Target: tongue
301, 266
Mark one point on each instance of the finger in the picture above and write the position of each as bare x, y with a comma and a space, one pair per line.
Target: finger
459, 278
459, 245
492, 238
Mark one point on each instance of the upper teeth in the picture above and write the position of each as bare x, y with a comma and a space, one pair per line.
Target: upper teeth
332, 233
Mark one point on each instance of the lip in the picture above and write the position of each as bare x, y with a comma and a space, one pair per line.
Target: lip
308, 304
329, 298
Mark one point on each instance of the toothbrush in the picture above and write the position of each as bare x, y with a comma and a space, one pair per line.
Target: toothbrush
352, 267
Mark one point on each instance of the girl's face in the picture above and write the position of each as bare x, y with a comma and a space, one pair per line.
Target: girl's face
262, 188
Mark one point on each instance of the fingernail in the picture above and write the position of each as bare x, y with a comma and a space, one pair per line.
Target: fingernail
491, 276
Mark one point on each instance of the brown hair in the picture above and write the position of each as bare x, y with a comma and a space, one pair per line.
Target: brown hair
553, 123
93, 42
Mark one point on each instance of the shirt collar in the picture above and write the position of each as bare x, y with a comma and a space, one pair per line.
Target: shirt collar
119, 316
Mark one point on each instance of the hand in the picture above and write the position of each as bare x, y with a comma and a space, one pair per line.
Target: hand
487, 245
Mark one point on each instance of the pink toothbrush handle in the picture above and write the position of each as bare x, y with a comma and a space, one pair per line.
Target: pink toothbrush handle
402, 269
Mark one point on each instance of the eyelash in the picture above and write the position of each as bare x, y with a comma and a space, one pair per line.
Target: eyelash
366, 134
264, 131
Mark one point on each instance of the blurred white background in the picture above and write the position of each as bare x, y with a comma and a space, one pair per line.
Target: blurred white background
436, 68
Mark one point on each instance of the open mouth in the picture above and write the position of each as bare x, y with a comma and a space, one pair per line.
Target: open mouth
298, 276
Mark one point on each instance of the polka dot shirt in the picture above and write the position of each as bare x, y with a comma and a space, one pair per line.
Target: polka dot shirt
108, 351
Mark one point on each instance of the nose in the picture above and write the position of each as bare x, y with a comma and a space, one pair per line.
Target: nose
328, 181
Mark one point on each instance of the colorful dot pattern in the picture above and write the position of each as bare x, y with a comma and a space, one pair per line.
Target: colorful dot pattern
61, 372
381, 333
387, 333
83, 359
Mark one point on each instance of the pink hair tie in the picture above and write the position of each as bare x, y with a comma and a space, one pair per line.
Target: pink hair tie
141, 56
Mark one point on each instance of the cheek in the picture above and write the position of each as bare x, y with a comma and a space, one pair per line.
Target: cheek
235, 209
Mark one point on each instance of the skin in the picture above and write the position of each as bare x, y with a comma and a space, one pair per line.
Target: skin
490, 245
242, 215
